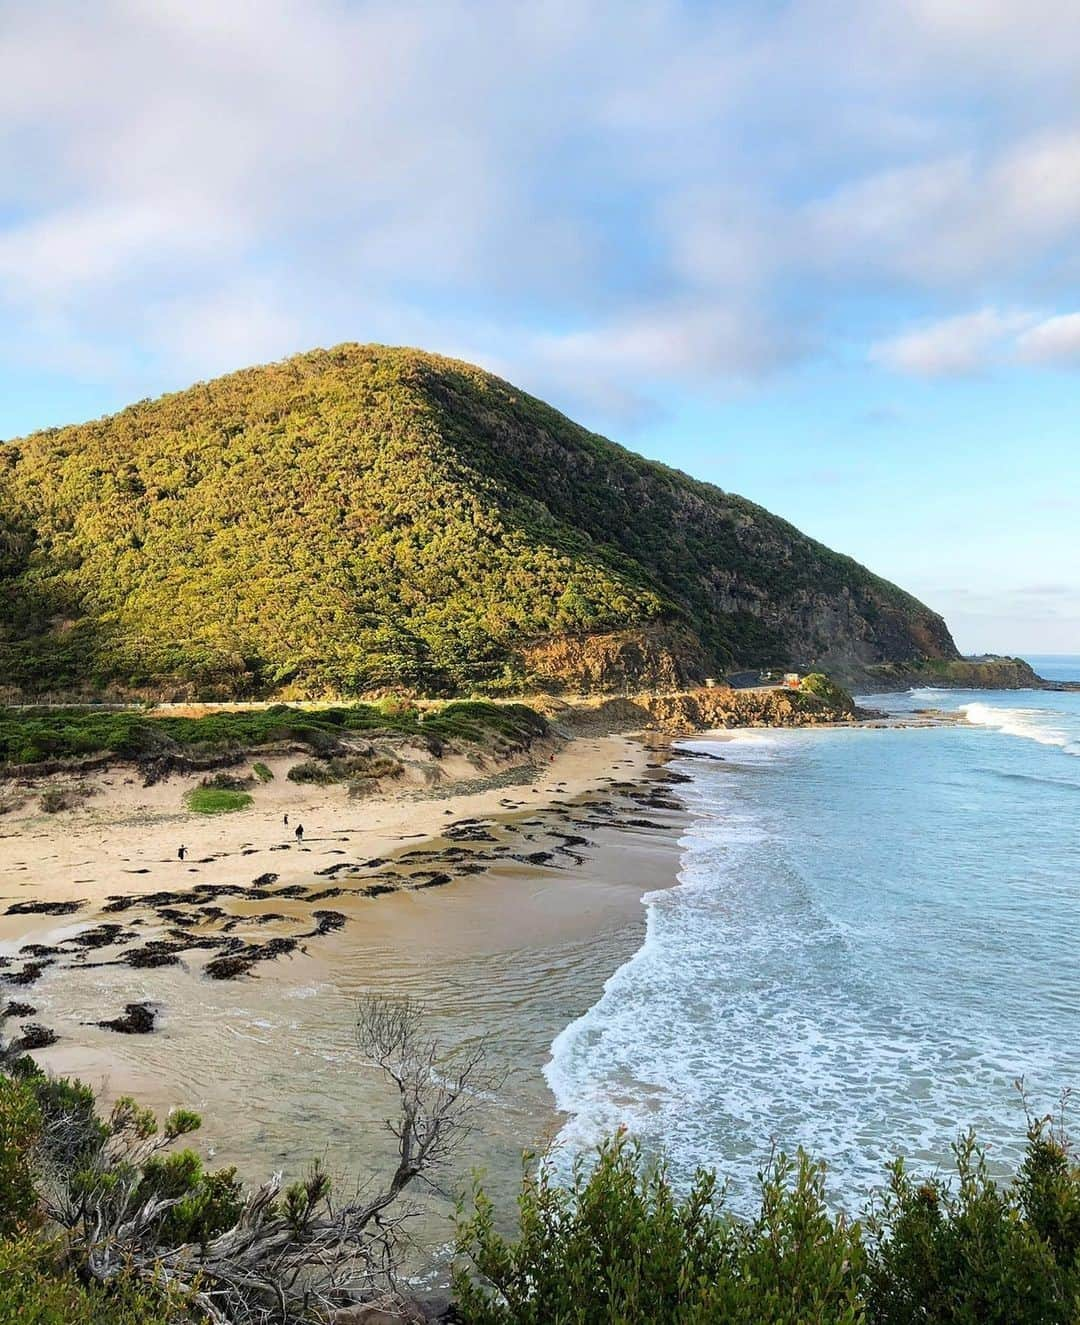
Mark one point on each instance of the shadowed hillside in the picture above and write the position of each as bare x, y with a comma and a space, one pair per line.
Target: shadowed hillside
363, 518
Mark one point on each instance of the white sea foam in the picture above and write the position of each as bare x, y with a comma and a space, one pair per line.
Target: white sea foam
806, 984
1030, 724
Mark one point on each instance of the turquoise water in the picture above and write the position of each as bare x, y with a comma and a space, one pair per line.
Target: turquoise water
874, 935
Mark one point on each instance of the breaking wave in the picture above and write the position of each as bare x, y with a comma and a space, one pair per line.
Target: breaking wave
868, 943
1030, 724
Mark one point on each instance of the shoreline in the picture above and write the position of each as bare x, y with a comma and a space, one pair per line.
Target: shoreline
543, 909
510, 952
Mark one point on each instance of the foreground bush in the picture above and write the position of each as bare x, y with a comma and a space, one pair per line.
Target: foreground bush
37, 1289
619, 1247
104, 1218
20, 1127
973, 1251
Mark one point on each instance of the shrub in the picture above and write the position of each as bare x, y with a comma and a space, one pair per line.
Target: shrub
312, 771
35, 1289
20, 1126
135, 1214
262, 772
216, 800
973, 1251
351, 768
619, 1245
227, 782
53, 799
207, 1203
825, 689
394, 707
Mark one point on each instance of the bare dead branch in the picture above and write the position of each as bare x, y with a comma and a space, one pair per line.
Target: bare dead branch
287, 1251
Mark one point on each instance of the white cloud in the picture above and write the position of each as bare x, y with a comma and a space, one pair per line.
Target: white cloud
956, 218
680, 342
952, 347
670, 193
64, 254
973, 342
1054, 341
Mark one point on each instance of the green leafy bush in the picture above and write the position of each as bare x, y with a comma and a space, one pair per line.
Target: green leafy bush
824, 688
262, 772
207, 1203
20, 1127
619, 1245
37, 1289
972, 1250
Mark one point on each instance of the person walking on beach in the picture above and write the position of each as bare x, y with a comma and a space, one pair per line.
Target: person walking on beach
299, 832
182, 852
285, 820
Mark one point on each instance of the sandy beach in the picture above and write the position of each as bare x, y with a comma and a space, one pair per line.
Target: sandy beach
544, 903
126, 836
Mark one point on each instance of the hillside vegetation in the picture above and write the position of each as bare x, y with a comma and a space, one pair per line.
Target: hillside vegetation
364, 518
33, 737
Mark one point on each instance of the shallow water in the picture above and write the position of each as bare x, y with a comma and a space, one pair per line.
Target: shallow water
874, 936
501, 959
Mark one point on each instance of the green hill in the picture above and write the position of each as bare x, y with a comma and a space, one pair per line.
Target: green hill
362, 518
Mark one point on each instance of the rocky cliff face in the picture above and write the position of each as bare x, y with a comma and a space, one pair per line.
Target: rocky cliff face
658, 658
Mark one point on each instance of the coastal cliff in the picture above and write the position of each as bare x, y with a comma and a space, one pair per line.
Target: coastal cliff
362, 520
989, 673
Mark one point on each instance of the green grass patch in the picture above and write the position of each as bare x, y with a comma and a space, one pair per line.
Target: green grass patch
216, 800
263, 773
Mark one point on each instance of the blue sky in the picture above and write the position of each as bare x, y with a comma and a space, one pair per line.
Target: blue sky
824, 254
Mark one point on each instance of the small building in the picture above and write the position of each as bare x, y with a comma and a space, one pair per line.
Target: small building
710, 682
791, 680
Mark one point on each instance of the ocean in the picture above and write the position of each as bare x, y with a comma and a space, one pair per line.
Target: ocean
873, 938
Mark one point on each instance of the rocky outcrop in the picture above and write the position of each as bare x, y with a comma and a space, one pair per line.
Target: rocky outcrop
988, 673
710, 709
